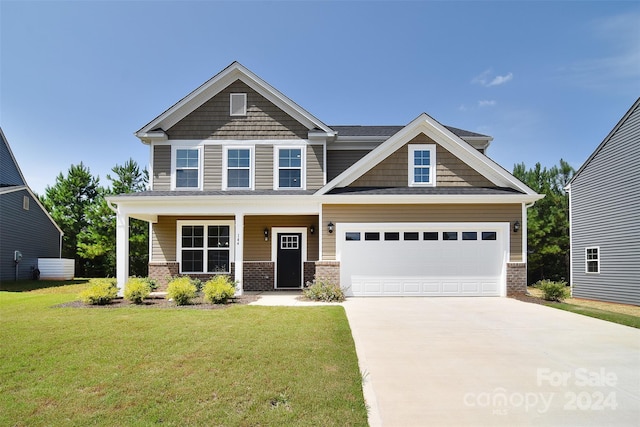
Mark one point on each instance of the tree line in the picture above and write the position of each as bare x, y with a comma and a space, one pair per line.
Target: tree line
77, 203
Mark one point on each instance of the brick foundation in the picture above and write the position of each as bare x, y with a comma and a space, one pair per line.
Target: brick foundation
258, 275
162, 272
516, 278
309, 272
329, 271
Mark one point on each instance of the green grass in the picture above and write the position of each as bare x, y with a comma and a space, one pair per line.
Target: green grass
621, 318
242, 365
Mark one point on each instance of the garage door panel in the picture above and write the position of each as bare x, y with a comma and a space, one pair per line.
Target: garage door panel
422, 267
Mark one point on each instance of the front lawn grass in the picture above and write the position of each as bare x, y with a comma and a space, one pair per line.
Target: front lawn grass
621, 318
623, 314
243, 365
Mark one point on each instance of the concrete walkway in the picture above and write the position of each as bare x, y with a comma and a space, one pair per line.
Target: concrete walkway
489, 362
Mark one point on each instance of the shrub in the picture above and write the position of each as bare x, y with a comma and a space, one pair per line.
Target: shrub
99, 292
553, 291
181, 290
137, 289
153, 285
219, 289
321, 290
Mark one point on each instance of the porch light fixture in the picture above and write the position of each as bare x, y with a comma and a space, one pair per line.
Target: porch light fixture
266, 234
312, 229
330, 225
516, 226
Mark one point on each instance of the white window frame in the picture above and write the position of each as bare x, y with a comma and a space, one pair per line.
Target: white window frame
432, 166
303, 166
238, 97
225, 166
596, 260
25, 203
205, 224
174, 169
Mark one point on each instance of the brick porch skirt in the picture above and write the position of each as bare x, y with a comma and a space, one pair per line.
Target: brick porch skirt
516, 278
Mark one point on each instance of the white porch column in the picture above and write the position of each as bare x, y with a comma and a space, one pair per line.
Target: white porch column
122, 251
239, 252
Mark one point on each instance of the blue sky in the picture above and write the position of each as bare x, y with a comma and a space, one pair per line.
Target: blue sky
547, 80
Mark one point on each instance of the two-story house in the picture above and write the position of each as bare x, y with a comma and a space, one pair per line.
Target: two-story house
246, 182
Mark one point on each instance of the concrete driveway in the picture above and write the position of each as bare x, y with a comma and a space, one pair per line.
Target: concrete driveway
493, 361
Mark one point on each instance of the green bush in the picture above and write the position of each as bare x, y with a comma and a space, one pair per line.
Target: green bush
137, 289
321, 290
181, 290
219, 289
553, 291
99, 292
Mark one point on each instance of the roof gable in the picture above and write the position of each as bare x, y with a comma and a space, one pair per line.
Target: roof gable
218, 83
10, 173
635, 109
425, 124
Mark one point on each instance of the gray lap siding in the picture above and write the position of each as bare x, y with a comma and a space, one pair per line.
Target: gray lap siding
604, 213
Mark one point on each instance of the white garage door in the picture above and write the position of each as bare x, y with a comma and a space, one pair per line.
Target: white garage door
423, 259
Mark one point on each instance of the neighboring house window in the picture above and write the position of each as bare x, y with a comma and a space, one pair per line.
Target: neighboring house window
238, 168
204, 247
592, 258
25, 203
290, 169
422, 165
187, 168
238, 104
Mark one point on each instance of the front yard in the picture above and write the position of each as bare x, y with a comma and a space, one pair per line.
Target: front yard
242, 365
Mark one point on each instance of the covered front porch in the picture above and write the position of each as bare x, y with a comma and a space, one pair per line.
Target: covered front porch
262, 246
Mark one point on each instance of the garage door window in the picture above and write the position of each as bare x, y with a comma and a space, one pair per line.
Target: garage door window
352, 236
489, 235
391, 236
469, 235
410, 235
449, 235
371, 236
430, 235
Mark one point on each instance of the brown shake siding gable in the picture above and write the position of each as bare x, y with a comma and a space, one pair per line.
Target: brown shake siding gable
212, 120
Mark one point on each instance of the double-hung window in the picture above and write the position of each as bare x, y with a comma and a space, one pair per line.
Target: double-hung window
592, 259
422, 165
290, 168
204, 247
187, 168
238, 173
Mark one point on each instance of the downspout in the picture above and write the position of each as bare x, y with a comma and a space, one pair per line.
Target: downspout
568, 190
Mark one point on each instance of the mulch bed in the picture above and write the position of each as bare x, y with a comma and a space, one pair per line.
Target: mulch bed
529, 298
197, 303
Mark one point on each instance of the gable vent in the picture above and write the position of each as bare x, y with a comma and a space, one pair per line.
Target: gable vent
238, 103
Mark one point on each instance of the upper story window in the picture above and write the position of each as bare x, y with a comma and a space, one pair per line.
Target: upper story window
25, 203
187, 168
290, 169
238, 170
422, 165
238, 104
592, 260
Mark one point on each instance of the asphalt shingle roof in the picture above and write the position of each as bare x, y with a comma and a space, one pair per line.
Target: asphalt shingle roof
359, 130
